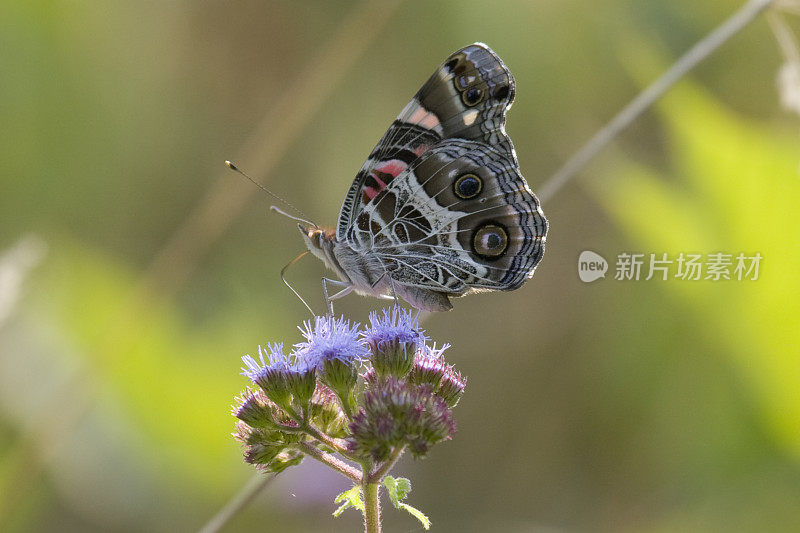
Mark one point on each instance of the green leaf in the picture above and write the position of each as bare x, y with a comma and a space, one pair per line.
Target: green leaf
426, 522
349, 498
398, 489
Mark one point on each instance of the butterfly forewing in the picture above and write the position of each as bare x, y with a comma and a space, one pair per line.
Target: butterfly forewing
438, 111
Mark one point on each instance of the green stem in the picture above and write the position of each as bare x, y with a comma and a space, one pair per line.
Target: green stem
372, 507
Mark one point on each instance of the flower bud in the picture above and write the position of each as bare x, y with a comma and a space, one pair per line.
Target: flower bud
271, 375
429, 367
301, 380
333, 347
395, 413
261, 453
254, 409
326, 413
451, 387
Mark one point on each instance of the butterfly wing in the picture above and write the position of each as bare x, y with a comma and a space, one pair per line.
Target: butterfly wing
466, 98
460, 218
441, 201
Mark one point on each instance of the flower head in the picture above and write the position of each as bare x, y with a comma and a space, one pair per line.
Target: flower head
330, 338
393, 338
431, 369
275, 359
283, 378
396, 413
333, 347
429, 366
270, 450
452, 386
394, 324
254, 409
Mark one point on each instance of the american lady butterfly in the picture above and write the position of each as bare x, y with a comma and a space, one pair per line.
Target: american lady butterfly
440, 208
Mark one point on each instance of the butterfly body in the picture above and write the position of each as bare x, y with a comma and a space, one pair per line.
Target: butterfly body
440, 208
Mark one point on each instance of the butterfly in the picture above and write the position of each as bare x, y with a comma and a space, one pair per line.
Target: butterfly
439, 208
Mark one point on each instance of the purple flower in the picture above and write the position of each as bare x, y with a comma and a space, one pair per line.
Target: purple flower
431, 369
429, 366
281, 376
275, 360
332, 346
330, 338
395, 413
393, 338
394, 325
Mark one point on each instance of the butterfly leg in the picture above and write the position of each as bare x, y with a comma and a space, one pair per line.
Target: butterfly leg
347, 288
393, 295
394, 292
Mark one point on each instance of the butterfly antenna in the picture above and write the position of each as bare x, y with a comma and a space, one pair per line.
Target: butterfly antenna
266, 190
283, 279
284, 213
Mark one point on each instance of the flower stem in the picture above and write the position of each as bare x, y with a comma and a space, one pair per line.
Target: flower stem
372, 507
322, 437
346, 401
332, 461
383, 469
336, 444
236, 504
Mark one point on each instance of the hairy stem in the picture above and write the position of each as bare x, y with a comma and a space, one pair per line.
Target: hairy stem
383, 469
336, 444
332, 461
372, 507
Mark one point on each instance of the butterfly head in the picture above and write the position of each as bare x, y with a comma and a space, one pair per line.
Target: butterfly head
317, 240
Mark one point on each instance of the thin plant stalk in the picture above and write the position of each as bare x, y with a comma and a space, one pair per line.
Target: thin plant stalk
237, 503
645, 99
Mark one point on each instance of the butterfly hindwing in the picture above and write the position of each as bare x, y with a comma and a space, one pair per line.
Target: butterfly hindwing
460, 218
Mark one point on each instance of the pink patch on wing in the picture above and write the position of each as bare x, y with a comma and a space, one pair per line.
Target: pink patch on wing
421, 149
423, 117
392, 167
372, 192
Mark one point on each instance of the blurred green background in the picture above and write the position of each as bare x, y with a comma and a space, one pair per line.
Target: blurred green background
136, 270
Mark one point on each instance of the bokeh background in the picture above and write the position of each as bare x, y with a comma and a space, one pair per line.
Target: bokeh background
135, 269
